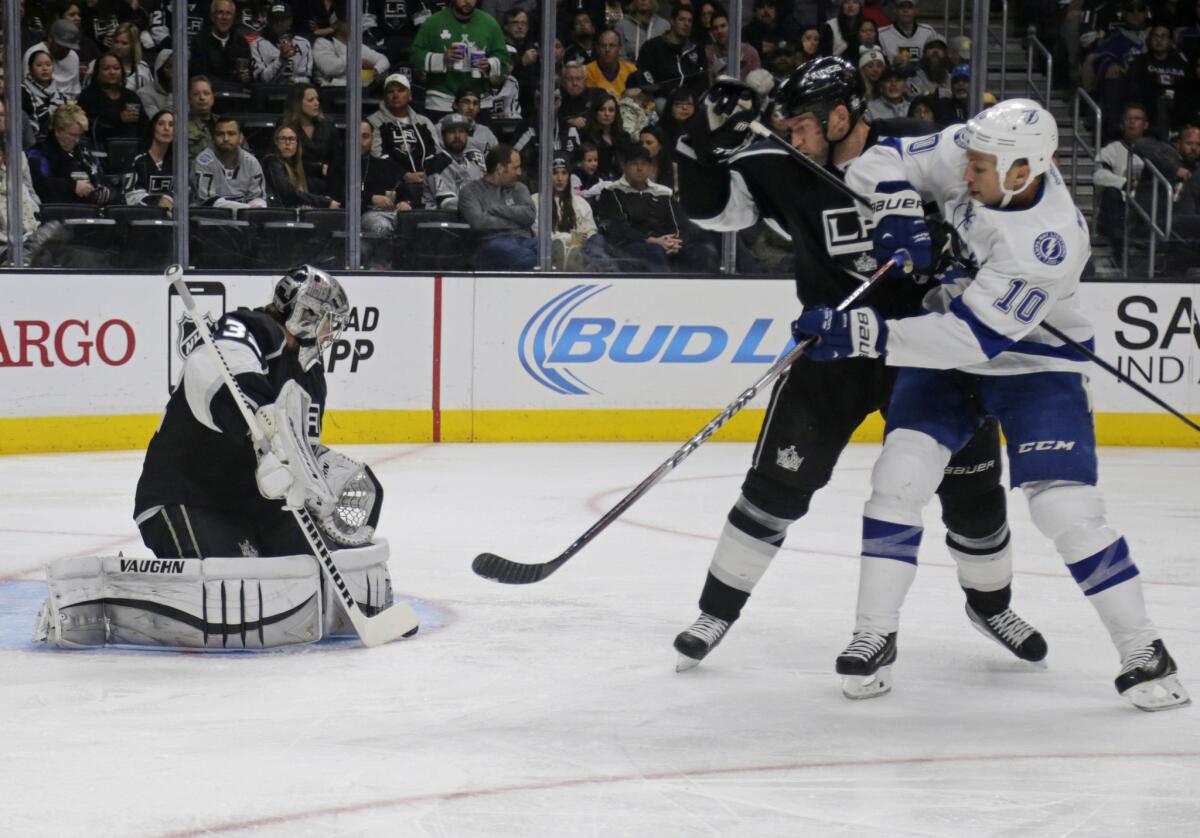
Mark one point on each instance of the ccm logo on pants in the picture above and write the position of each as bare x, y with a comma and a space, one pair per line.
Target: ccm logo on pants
1045, 445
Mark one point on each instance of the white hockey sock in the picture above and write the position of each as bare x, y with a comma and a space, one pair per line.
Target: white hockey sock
1110, 580
740, 560
984, 564
889, 565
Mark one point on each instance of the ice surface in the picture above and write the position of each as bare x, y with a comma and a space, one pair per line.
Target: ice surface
554, 709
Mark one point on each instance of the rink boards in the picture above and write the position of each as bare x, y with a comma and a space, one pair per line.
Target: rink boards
87, 361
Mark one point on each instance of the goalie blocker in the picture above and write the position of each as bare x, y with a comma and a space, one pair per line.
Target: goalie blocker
213, 604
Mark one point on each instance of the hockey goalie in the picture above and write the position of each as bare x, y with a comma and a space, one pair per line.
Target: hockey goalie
232, 568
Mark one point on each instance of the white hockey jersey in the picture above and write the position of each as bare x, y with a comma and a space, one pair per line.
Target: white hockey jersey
1023, 264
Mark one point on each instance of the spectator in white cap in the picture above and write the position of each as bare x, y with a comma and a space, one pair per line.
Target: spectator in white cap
279, 56
871, 65
329, 56
62, 42
904, 41
403, 135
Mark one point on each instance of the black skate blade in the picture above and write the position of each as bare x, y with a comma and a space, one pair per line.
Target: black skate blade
500, 569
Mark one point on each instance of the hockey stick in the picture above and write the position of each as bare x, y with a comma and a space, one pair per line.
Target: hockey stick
766, 133
400, 620
500, 569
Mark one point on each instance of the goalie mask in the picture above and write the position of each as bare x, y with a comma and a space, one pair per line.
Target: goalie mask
315, 309
818, 86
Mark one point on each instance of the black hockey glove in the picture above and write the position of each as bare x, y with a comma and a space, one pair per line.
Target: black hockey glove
721, 125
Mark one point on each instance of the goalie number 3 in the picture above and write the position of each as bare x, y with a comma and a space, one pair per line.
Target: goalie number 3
1021, 301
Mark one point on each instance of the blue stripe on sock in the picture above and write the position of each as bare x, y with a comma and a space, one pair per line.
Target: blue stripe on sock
884, 540
1101, 571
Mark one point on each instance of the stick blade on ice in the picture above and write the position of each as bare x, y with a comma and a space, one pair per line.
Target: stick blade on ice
500, 569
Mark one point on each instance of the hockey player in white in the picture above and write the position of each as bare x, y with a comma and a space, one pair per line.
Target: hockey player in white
976, 352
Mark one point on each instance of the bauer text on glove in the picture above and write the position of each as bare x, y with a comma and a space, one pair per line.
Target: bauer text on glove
857, 333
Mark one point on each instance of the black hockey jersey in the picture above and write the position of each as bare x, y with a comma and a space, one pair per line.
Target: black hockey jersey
827, 232
147, 181
201, 454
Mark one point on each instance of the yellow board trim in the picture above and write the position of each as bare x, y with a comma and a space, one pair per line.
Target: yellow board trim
49, 434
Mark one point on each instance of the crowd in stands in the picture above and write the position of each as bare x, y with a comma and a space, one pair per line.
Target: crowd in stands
1140, 62
452, 103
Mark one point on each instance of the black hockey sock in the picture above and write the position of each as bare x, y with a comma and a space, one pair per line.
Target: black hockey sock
989, 603
721, 600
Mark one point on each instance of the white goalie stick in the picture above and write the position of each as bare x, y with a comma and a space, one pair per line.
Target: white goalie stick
767, 134
500, 569
400, 620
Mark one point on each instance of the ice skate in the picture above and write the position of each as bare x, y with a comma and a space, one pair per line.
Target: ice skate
1149, 679
1011, 632
866, 665
698, 639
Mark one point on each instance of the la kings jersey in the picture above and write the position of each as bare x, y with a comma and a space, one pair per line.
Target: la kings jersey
215, 185
147, 181
827, 231
1020, 266
201, 454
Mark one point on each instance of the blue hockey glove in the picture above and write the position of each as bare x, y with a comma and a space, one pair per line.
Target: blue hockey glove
721, 125
857, 333
903, 232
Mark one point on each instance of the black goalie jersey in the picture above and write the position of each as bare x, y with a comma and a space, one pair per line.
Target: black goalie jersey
827, 232
201, 454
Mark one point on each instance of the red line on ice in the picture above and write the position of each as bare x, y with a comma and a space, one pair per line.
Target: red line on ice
611, 779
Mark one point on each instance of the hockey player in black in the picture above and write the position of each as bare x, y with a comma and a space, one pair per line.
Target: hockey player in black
202, 493
728, 183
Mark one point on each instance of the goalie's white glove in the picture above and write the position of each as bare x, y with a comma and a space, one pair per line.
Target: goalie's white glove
289, 470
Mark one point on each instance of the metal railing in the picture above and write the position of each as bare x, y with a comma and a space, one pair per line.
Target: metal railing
1037, 46
1151, 217
1078, 143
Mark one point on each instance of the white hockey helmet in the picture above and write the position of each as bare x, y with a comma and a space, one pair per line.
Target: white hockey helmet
308, 297
1012, 130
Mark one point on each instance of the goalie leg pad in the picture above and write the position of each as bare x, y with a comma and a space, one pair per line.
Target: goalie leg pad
194, 604
365, 572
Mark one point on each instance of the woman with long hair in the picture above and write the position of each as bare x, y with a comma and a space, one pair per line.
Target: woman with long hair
40, 96
148, 183
652, 140
112, 108
703, 22
868, 36
283, 167
810, 43
127, 46
674, 122
319, 141
839, 35
605, 131
573, 223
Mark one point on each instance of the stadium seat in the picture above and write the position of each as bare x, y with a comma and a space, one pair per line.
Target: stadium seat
147, 236
328, 247
432, 240
277, 238
121, 151
269, 98
63, 212
232, 102
217, 242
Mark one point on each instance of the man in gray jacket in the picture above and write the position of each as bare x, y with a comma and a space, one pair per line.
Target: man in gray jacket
500, 211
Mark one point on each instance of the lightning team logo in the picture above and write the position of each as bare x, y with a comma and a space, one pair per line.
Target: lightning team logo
1049, 248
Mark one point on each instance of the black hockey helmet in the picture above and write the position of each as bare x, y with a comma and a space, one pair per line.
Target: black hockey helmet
818, 86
